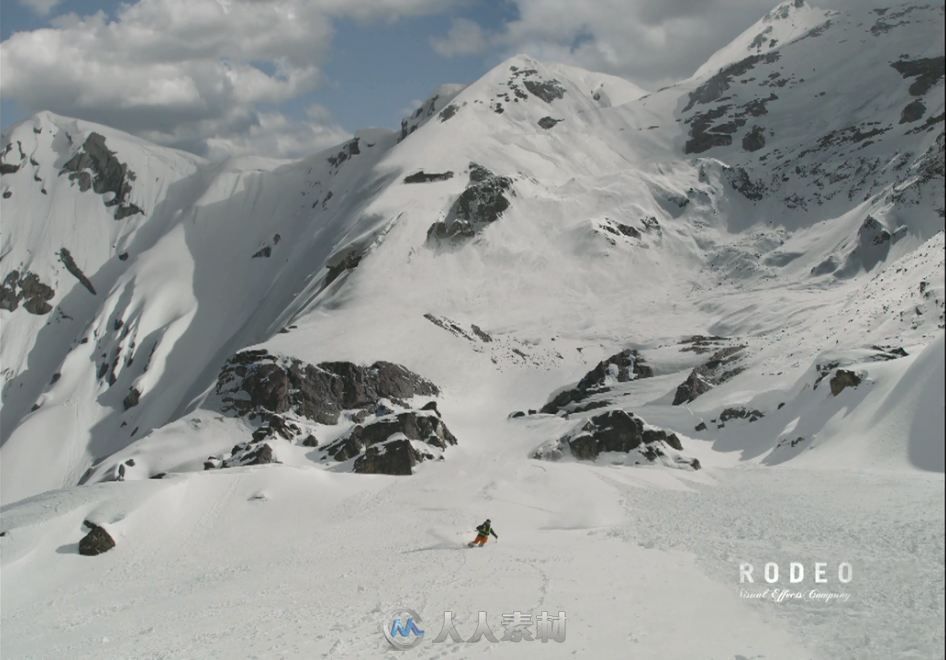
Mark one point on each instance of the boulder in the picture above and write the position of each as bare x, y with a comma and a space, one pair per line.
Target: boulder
721, 366
617, 431
397, 457
480, 204
96, 541
843, 379
621, 367
426, 427
256, 381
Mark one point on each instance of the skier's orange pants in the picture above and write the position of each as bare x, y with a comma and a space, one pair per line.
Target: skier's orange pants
480, 539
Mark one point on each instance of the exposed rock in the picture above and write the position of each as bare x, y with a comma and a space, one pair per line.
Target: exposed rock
740, 180
716, 85
738, 413
927, 71
548, 122
256, 382
132, 398
96, 541
721, 366
264, 252
482, 203
843, 379
426, 177
95, 166
912, 112
448, 112
754, 139
371, 444
27, 289
618, 229
348, 150
702, 343
700, 427
547, 90
395, 457
310, 441
621, 367
66, 257
344, 260
617, 431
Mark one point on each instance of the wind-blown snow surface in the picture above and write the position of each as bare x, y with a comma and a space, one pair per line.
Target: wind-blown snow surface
785, 203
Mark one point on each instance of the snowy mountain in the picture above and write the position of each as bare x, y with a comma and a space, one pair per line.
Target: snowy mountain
546, 282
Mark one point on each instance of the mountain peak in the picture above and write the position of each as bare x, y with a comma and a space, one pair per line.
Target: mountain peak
783, 24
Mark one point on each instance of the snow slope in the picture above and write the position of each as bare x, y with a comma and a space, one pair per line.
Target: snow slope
782, 207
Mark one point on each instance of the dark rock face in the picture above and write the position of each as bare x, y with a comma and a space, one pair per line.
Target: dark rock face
548, 122
926, 71
132, 398
714, 88
702, 343
740, 180
912, 112
426, 177
397, 457
616, 431
95, 166
342, 261
377, 452
722, 365
754, 139
448, 112
263, 253
257, 382
27, 289
66, 257
348, 150
621, 367
618, 229
96, 541
843, 379
738, 413
482, 203
547, 90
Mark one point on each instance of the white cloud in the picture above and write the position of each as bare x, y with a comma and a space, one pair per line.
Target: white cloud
40, 7
651, 42
192, 73
465, 37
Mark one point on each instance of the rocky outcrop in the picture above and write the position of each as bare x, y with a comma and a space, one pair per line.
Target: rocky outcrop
618, 431
721, 366
26, 289
481, 204
912, 112
95, 166
66, 257
384, 446
266, 388
738, 412
548, 122
96, 541
426, 177
926, 72
843, 379
349, 149
621, 367
245, 453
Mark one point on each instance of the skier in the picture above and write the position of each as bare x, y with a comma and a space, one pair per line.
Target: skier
482, 534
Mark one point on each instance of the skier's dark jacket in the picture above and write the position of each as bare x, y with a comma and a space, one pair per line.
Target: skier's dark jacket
486, 529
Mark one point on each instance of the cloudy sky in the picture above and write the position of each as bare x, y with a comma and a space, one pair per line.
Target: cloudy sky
288, 77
